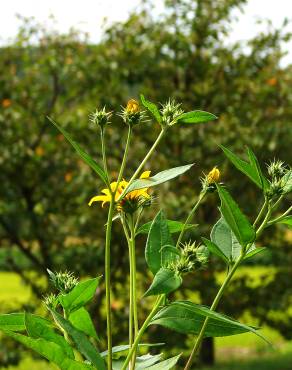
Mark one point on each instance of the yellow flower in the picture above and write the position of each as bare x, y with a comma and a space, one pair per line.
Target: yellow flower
135, 195
213, 175
132, 106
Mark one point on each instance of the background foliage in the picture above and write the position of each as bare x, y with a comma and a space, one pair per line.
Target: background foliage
44, 218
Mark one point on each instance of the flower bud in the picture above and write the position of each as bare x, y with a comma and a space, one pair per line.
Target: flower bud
100, 117
277, 169
170, 112
63, 281
132, 106
132, 114
213, 176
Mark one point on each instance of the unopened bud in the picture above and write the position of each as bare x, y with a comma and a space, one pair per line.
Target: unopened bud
132, 106
213, 176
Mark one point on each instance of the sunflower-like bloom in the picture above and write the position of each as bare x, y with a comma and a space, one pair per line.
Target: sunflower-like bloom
130, 201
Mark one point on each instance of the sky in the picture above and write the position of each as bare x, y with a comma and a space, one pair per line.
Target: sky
88, 15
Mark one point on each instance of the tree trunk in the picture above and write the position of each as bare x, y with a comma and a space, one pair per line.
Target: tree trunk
207, 352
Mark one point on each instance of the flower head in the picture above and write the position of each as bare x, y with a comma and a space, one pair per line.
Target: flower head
170, 112
213, 176
131, 201
132, 114
100, 117
132, 106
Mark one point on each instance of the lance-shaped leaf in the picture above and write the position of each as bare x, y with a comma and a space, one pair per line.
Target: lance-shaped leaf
152, 108
86, 157
225, 245
81, 294
166, 364
16, 321
164, 282
158, 237
173, 227
196, 116
187, 318
82, 321
287, 182
125, 347
285, 220
159, 178
250, 169
49, 350
237, 221
42, 329
214, 248
81, 341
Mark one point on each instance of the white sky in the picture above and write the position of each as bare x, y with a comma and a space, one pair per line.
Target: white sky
88, 15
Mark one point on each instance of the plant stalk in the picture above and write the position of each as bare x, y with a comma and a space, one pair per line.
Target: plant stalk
142, 330
190, 216
132, 247
213, 308
223, 287
103, 151
108, 281
148, 155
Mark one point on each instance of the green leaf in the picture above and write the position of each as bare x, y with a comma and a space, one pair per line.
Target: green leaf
287, 182
81, 341
173, 226
223, 237
166, 364
16, 321
152, 108
86, 157
286, 220
237, 221
213, 248
254, 251
142, 362
187, 318
42, 329
164, 282
82, 321
257, 169
49, 350
158, 237
125, 347
196, 116
251, 170
81, 294
159, 178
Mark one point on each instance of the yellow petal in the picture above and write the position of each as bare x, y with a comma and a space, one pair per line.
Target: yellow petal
99, 198
145, 175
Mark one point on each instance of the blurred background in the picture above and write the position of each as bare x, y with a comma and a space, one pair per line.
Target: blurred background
220, 56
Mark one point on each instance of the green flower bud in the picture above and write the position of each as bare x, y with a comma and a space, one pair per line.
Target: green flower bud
170, 112
100, 117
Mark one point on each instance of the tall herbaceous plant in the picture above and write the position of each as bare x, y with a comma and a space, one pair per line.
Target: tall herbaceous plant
69, 339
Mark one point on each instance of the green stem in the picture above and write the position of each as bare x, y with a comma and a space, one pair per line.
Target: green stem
142, 331
125, 156
213, 308
223, 287
260, 215
134, 285
108, 280
265, 221
148, 155
286, 213
104, 161
190, 216
131, 338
